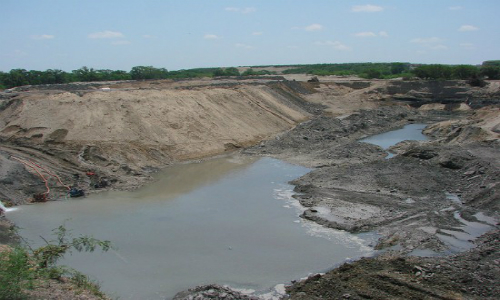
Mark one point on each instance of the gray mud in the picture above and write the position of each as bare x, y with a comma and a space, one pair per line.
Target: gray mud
428, 200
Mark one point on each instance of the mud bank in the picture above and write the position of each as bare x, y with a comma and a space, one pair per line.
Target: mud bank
419, 201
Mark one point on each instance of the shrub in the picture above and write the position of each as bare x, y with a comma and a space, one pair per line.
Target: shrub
16, 273
21, 266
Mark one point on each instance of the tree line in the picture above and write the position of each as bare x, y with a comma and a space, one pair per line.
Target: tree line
488, 70
20, 77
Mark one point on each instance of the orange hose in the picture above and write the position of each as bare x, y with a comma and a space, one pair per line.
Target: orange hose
36, 170
50, 173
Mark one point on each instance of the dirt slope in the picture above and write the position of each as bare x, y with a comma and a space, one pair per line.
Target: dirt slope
125, 130
191, 123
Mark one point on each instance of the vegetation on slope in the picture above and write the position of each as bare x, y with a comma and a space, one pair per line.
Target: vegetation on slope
24, 270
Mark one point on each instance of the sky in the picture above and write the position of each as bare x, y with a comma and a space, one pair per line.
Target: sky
184, 34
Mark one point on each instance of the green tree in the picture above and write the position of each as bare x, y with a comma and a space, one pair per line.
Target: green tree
148, 72
492, 72
52, 76
85, 74
465, 72
398, 68
219, 72
433, 72
232, 71
226, 72
17, 77
373, 73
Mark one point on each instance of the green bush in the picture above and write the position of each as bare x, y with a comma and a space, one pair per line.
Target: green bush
16, 273
21, 266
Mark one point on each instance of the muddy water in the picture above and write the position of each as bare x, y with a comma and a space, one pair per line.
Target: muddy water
228, 221
386, 140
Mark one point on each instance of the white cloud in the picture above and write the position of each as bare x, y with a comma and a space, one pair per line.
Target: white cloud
314, 27
43, 37
366, 8
438, 47
107, 34
245, 10
211, 37
468, 46
368, 34
467, 28
365, 34
424, 41
257, 33
383, 34
119, 43
334, 44
455, 7
432, 43
243, 46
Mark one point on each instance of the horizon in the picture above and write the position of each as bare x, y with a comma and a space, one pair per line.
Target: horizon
261, 66
118, 35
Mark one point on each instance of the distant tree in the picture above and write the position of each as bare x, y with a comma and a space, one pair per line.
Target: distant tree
232, 72
373, 73
249, 72
495, 63
252, 72
109, 75
17, 77
55, 76
492, 72
226, 72
148, 72
219, 72
465, 72
3, 76
398, 67
85, 74
433, 72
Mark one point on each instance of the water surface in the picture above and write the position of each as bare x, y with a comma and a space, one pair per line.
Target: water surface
228, 221
412, 132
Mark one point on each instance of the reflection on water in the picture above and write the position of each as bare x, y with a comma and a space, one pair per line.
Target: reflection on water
411, 132
227, 221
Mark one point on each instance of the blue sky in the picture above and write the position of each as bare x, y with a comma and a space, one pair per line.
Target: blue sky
69, 34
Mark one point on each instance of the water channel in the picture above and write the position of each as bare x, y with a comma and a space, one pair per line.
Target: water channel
229, 221
388, 139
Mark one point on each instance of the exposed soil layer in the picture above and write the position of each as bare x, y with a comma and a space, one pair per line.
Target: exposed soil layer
432, 198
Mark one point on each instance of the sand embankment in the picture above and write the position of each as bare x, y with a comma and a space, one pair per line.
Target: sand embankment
128, 129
